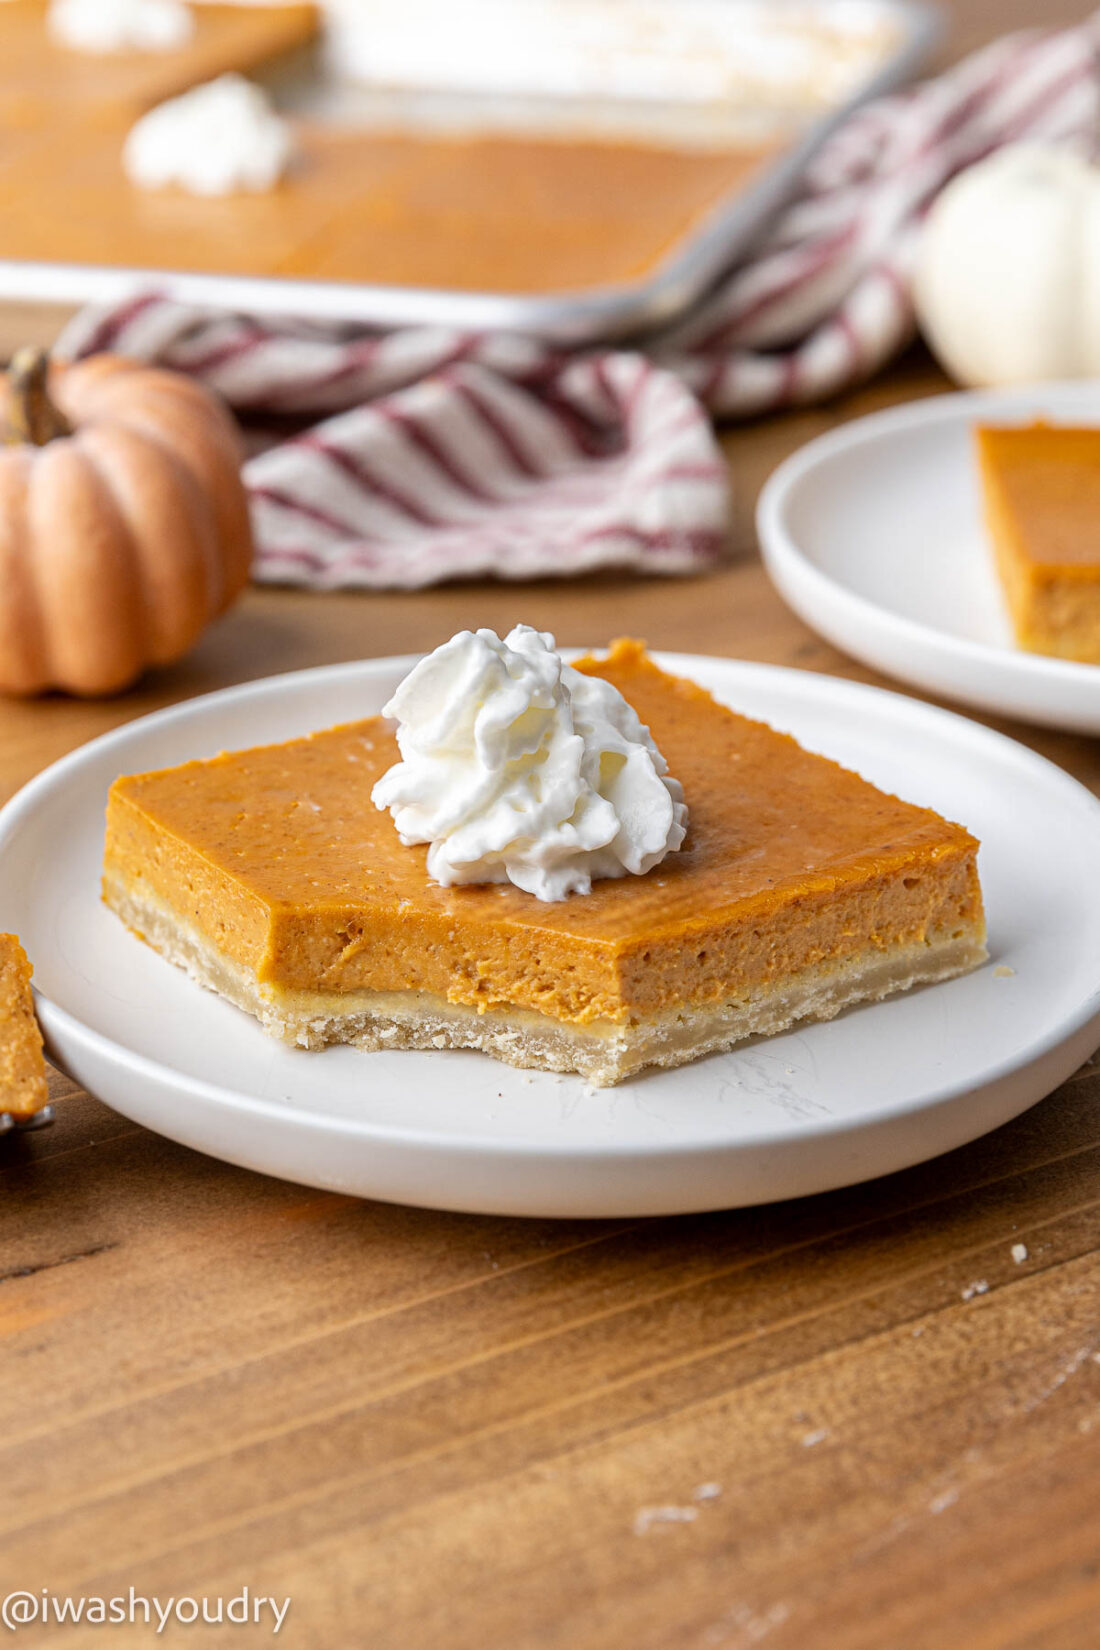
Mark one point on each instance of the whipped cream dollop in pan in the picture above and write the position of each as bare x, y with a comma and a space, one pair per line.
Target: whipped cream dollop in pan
220, 138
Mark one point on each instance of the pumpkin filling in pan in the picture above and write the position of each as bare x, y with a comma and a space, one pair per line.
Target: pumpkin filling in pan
489, 213
800, 889
464, 203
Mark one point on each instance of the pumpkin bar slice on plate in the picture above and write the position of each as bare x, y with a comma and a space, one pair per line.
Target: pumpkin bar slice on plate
1041, 491
800, 889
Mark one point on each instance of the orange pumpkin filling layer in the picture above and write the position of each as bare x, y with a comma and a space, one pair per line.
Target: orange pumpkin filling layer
801, 888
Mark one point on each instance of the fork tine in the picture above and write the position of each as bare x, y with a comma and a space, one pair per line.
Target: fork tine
10, 1124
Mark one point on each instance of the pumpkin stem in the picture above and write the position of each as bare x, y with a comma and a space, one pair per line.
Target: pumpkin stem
33, 417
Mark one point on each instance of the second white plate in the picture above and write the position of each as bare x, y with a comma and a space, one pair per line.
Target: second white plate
876, 1089
873, 534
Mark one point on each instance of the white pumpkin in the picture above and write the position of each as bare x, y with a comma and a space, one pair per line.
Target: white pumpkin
1007, 283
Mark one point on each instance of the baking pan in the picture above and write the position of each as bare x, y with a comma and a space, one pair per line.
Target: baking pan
576, 317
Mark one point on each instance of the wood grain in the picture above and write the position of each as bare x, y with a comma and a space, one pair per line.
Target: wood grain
430, 1429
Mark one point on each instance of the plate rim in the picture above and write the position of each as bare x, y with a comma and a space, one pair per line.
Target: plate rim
788, 563
508, 1145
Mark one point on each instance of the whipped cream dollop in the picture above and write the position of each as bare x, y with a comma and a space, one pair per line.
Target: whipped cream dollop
215, 140
516, 767
121, 25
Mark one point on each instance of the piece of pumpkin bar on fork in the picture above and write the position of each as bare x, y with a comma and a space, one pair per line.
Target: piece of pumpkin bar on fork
23, 1094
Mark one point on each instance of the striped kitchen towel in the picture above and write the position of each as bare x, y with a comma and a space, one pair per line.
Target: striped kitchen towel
429, 454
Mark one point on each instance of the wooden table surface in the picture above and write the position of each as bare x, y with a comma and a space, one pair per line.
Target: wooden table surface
435, 1430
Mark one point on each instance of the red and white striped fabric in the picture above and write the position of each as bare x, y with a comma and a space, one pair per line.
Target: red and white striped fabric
442, 454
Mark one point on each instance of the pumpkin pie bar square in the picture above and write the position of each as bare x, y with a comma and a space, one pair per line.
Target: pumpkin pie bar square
800, 890
1041, 495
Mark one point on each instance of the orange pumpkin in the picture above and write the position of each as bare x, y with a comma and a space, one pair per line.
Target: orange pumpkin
123, 521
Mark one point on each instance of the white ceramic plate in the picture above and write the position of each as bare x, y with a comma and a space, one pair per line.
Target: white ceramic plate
873, 534
876, 1089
